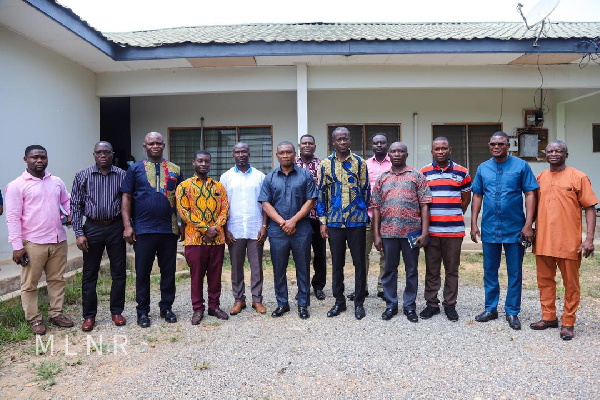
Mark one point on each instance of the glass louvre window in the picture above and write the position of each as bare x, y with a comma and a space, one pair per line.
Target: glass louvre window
219, 141
361, 136
469, 142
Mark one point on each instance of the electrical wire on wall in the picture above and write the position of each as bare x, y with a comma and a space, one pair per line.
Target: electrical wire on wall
501, 103
592, 52
543, 106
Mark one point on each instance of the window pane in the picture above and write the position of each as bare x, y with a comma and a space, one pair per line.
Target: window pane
456, 135
261, 151
219, 142
391, 131
182, 146
479, 151
356, 137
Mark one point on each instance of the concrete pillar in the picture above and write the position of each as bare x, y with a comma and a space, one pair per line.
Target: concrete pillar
302, 98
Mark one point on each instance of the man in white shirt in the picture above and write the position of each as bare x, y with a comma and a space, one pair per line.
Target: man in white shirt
246, 228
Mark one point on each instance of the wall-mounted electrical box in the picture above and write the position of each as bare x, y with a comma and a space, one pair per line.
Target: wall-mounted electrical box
532, 143
533, 118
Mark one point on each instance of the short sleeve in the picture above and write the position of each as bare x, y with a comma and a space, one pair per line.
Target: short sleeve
466, 183
587, 197
423, 190
528, 181
129, 181
265, 190
477, 186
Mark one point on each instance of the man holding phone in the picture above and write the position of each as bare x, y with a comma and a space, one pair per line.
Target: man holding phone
33, 213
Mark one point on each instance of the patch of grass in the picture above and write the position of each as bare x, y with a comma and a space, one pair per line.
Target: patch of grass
211, 323
46, 370
74, 362
13, 327
202, 367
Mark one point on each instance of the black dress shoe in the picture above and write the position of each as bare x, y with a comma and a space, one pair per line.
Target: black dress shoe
352, 295
411, 315
143, 320
513, 322
359, 312
303, 312
320, 294
389, 313
169, 316
336, 310
486, 316
381, 295
429, 312
279, 311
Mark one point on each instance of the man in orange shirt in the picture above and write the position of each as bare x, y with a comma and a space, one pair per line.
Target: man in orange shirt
203, 206
563, 192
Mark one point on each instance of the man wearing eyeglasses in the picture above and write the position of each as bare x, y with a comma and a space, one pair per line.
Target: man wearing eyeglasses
97, 196
500, 184
149, 191
563, 192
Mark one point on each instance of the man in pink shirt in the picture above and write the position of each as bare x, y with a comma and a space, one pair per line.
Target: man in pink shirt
376, 165
35, 204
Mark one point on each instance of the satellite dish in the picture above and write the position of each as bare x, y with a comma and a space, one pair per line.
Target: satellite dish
538, 14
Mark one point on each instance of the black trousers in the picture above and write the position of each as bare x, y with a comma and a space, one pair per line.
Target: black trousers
111, 238
164, 247
319, 256
356, 238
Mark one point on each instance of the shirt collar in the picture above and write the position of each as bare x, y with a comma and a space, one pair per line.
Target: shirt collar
450, 165
407, 168
386, 159
279, 171
95, 168
236, 169
350, 156
300, 160
27, 175
197, 178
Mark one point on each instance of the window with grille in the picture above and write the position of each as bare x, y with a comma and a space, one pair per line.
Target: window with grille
361, 136
469, 142
596, 138
219, 141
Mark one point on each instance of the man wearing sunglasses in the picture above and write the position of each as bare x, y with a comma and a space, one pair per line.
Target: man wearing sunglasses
499, 184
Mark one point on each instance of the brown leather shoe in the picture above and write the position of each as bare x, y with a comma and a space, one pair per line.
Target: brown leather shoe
566, 332
88, 324
38, 327
197, 317
217, 312
237, 308
258, 306
62, 321
542, 324
118, 319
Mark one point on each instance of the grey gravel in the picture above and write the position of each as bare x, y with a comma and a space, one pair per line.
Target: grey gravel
256, 356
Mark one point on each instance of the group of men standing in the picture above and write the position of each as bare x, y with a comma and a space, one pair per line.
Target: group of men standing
351, 202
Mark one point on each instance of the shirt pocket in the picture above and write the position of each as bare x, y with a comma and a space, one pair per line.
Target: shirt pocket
512, 181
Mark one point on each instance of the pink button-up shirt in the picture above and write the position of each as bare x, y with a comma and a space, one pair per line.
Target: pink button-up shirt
375, 169
33, 209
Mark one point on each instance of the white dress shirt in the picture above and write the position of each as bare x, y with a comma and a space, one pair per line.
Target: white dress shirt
245, 212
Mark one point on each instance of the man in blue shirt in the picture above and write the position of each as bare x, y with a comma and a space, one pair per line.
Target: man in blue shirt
287, 195
500, 183
149, 190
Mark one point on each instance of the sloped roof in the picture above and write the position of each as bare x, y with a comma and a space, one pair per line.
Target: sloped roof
343, 32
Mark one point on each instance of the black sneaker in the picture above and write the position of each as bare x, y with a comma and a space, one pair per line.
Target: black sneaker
429, 312
451, 313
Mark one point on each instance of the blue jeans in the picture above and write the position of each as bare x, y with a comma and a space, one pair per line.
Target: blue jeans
492, 252
280, 256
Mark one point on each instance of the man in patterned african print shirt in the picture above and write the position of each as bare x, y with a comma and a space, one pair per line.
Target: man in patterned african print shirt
342, 208
203, 206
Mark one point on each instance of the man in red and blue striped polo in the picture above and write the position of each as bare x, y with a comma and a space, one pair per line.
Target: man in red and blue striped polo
450, 185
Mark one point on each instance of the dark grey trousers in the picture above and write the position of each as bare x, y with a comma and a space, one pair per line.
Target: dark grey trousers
237, 254
392, 249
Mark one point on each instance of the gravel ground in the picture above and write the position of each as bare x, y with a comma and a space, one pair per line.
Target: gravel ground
256, 356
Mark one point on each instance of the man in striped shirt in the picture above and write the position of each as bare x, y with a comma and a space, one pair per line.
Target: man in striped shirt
97, 196
450, 186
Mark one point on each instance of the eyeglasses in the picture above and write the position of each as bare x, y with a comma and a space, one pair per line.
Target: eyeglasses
103, 152
497, 144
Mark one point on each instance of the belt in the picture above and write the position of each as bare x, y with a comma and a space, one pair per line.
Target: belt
105, 223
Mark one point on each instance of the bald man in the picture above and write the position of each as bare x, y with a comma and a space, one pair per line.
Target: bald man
149, 189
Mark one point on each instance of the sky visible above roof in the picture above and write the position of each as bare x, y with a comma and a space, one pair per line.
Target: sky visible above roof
136, 15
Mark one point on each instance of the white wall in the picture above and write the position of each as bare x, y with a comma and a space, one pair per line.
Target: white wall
580, 115
157, 113
45, 99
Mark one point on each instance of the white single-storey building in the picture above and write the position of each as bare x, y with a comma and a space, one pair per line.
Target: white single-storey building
65, 85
